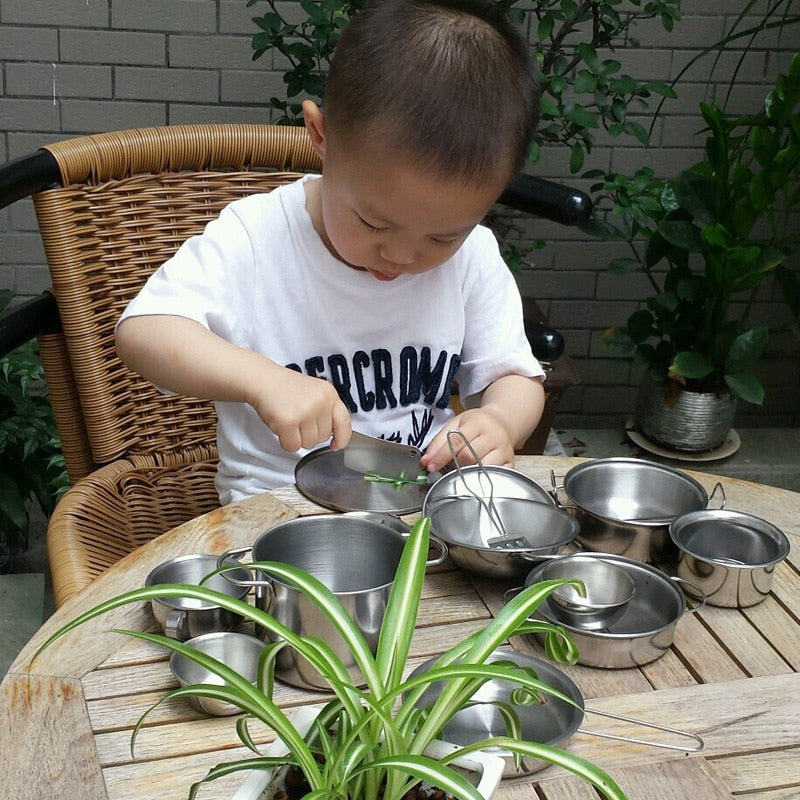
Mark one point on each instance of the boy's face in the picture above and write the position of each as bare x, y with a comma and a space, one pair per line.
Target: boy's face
381, 213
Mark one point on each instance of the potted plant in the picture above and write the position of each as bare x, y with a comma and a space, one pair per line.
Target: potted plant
372, 742
31, 463
707, 240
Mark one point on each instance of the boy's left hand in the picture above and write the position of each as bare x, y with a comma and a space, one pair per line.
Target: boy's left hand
509, 410
483, 429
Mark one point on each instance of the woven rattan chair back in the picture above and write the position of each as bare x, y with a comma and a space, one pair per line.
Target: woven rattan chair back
128, 200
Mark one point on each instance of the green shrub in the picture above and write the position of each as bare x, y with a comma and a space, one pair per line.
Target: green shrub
31, 462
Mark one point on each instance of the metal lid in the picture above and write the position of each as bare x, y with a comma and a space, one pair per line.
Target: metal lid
323, 478
506, 482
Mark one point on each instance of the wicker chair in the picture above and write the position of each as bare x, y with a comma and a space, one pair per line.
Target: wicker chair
111, 208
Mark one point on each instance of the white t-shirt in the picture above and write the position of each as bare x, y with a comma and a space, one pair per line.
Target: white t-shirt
260, 277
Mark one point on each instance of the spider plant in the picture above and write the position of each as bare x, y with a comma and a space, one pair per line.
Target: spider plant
373, 739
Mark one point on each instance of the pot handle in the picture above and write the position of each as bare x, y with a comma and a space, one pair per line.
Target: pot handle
697, 594
721, 488
698, 745
175, 625
441, 546
535, 557
510, 594
230, 559
555, 488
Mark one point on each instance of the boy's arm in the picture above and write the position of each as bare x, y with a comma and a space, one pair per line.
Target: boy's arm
509, 410
180, 355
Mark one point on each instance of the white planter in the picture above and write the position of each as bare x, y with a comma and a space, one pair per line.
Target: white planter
488, 768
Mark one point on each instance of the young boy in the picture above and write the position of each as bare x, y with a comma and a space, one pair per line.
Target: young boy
375, 277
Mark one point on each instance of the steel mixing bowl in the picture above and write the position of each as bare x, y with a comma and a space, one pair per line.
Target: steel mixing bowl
534, 529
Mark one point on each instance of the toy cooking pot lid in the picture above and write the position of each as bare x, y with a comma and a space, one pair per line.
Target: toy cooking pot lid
551, 722
323, 478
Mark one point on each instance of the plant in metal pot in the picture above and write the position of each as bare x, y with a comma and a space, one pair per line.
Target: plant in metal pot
371, 741
707, 240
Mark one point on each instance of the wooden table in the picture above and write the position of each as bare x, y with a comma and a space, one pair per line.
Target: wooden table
731, 676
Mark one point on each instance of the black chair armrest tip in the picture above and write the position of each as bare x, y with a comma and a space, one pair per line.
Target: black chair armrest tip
548, 199
28, 320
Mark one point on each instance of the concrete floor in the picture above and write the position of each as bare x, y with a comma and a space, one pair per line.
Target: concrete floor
763, 455
770, 456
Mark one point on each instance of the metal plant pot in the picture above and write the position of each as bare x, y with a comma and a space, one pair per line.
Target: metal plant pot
697, 422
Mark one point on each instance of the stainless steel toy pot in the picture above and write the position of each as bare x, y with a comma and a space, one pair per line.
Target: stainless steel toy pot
354, 556
730, 555
646, 628
184, 618
625, 505
236, 650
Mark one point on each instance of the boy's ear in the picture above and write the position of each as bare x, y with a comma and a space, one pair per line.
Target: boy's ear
314, 121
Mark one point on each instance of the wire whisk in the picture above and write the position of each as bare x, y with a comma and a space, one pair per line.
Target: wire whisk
485, 497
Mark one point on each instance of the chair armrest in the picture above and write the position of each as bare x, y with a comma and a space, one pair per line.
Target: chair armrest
546, 343
28, 320
27, 175
547, 199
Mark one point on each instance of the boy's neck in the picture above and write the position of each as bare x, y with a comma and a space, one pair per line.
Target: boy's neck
313, 190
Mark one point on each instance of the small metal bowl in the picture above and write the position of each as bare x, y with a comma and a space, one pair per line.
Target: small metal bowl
609, 589
236, 650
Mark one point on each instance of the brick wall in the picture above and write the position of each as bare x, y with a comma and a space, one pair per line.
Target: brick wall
80, 66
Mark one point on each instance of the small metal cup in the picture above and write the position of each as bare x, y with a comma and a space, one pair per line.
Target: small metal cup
609, 589
236, 650
728, 555
184, 618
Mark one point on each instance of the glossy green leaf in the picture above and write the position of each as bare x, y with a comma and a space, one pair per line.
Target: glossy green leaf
691, 365
576, 158
545, 27
746, 386
746, 349
681, 233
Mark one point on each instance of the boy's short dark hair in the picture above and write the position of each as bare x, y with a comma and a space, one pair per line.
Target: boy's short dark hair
449, 82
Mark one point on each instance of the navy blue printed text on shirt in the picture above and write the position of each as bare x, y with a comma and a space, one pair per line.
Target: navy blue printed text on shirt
373, 380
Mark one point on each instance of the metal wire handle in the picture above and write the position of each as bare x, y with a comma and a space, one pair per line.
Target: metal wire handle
696, 748
486, 504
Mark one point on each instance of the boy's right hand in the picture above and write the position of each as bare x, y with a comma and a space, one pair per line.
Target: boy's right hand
181, 355
302, 411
